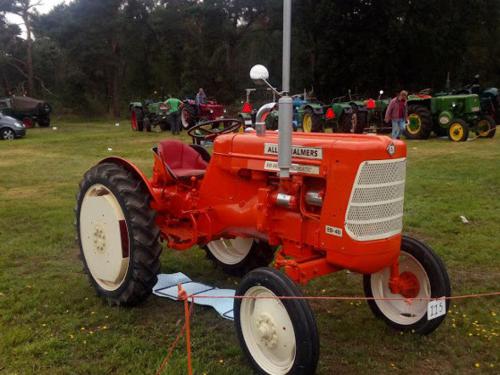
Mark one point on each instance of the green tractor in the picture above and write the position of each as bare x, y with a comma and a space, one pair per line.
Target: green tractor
144, 116
359, 115
452, 115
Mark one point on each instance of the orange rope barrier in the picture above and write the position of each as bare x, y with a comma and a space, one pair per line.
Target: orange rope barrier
183, 296
354, 298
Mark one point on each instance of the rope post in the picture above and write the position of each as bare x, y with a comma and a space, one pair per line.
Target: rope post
182, 295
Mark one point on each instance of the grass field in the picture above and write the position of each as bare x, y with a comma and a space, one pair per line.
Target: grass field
51, 322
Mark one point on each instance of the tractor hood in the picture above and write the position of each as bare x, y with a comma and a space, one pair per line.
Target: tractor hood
312, 153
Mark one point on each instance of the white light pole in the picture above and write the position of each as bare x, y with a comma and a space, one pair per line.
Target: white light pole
285, 118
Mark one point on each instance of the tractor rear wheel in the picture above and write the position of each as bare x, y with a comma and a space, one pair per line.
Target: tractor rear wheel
277, 336
425, 277
458, 131
117, 234
44, 122
345, 123
486, 127
188, 117
420, 122
238, 256
311, 123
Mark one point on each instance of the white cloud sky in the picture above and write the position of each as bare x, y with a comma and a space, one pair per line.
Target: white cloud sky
45, 7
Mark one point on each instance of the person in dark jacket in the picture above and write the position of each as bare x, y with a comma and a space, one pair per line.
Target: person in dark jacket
397, 114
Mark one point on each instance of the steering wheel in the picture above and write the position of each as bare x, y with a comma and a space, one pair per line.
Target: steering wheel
209, 130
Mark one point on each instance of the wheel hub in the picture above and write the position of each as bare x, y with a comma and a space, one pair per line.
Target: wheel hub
267, 330
409, 287
99, 239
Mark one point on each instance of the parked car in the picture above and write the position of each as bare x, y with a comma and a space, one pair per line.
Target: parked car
28, 110
11, 128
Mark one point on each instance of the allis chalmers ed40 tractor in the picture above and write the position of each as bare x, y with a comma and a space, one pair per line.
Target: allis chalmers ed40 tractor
313, 203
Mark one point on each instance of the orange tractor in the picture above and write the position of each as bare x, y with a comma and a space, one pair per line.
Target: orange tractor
341, 208
314, 203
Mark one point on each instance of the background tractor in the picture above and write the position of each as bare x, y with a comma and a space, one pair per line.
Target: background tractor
452, 115
309, 114
28, 110
144, 116
192, 114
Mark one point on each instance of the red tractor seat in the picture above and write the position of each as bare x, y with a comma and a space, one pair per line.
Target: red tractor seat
181, 160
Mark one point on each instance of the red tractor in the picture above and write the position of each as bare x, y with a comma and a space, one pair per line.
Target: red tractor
192, 114
340, 209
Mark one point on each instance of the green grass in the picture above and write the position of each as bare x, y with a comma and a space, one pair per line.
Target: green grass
52, 322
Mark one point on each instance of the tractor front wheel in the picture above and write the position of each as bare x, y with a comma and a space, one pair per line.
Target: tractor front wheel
424, 277
117, 234
419, 122
277, 336
238, 256
486, 127
458, 131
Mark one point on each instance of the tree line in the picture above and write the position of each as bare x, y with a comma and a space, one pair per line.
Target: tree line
93, 57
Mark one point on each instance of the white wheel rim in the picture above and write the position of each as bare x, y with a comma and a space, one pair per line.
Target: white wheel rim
400, 311
268, 331
230, 251
185, 122
104, 243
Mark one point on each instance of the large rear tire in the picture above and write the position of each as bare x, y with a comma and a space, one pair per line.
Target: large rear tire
420, 122
44, 122
426, 277
240, 255
188, 117
311, 122
117, 234
278, 336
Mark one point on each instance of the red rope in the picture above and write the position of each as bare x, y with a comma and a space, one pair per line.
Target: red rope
182, 295
347, 298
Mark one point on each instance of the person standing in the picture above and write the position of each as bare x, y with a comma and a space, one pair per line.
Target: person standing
200, 99
397, 114
174, 106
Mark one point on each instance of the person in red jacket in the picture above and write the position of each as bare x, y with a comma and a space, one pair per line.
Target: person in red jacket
397, 114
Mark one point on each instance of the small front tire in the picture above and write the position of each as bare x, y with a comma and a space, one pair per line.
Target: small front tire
278, 336
420, 266
238, 256
458, 131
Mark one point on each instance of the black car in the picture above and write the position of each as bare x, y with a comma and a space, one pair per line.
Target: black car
28, 110
11, 128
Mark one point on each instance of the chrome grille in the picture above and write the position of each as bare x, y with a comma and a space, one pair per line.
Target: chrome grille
375, 208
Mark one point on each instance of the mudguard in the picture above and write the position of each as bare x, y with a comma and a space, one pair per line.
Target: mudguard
132, 168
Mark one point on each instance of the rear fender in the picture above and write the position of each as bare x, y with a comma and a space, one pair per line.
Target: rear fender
132, 168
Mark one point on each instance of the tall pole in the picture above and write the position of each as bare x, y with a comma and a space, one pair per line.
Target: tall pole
285, 103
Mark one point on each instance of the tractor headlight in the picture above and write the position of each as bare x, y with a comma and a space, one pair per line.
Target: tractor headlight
211, 111
453, 105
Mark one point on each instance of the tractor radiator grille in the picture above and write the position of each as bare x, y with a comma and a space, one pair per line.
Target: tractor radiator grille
375, 208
